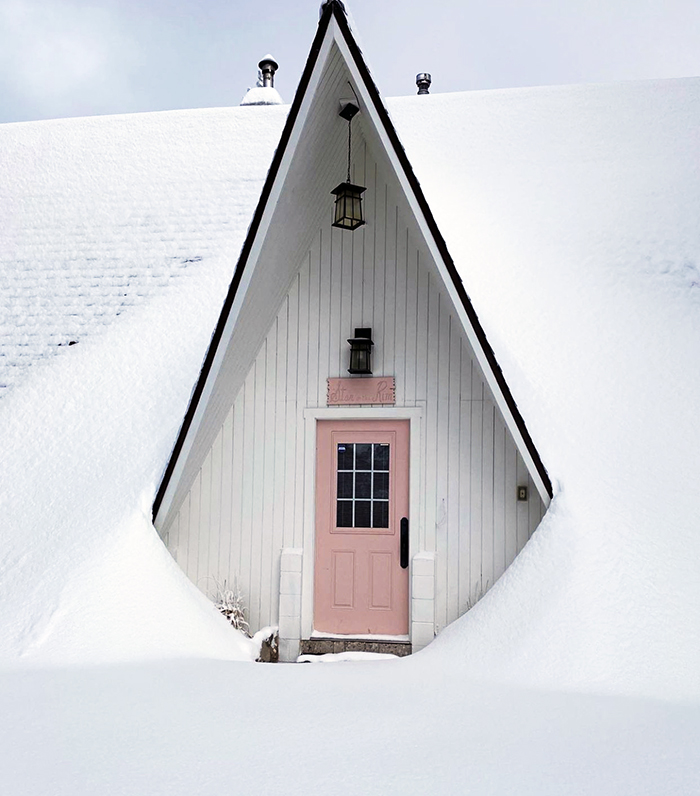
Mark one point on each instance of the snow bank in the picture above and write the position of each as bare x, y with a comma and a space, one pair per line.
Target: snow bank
83, 576
572, 214
121, 239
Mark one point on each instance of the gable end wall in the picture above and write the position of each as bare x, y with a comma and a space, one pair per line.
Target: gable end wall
247, 500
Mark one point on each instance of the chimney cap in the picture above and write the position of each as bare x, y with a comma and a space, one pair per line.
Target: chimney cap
268, 66
423, 81
268, 60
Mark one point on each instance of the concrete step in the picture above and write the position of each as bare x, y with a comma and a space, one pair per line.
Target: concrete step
322, 646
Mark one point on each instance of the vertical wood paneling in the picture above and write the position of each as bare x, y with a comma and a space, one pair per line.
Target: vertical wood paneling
335, 342
215, 507
291, 412
399, 367
238, 466
279, 452
465, 443
256, 455
368, 261
441, 461
247, 501
411, 315
390, 243
344, 248
227, 519
431, 435
247, 494
204, 521
511, 505
453, 468
487, 448
379, 271
195, 530
356, 241
499, 498
422, 282
313, 328
475, 478
183, 533
298, 425
324, 316
267, 531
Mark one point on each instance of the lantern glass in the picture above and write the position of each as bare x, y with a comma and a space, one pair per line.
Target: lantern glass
348, 206
361, 352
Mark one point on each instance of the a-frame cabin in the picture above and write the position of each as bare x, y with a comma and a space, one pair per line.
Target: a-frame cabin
376, 506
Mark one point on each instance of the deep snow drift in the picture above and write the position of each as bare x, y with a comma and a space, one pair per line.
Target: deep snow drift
572, 213
85, 578
121, 237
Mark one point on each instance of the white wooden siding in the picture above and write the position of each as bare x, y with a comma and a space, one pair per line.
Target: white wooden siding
247, 500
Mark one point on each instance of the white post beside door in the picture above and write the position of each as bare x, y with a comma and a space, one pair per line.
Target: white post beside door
290, 603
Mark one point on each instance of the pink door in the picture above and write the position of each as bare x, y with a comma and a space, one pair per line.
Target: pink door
361, 498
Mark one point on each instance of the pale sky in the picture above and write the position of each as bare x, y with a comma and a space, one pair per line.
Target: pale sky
85, 57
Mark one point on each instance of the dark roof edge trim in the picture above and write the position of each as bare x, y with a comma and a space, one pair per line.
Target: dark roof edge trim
442, 246
326, 15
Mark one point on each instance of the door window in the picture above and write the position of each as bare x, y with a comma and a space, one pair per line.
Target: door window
362, 498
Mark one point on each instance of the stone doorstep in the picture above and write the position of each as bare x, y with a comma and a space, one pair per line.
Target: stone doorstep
322, 646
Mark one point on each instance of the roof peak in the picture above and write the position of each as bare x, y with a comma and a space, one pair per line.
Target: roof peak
330, 4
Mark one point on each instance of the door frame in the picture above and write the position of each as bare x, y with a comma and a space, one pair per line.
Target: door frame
414, 414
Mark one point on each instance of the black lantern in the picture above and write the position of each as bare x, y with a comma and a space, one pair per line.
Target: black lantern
348, 197
361, 352
348, 206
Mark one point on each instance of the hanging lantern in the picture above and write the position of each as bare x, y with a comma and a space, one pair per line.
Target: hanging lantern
348, 206
361, 352
348, 197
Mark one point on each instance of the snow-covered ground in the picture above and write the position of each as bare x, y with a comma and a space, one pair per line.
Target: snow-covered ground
579, 673
411, 727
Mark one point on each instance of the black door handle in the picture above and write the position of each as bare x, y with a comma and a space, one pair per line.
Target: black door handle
404, 543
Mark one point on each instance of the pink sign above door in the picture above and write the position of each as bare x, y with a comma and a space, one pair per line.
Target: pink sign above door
348, 392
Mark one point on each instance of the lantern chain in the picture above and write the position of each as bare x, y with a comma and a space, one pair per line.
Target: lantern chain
349, 145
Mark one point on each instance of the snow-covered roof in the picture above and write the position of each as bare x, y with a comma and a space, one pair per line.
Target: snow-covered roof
101, 213
571, 213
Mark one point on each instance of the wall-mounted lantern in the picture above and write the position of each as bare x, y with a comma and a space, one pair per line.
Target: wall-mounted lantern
348, 197
361, 352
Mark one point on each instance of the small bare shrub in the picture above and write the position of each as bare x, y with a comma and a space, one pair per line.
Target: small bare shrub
229, 600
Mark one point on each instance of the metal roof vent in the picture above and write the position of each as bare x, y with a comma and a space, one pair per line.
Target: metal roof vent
268, 66
423, 81
264, 93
